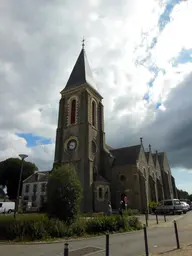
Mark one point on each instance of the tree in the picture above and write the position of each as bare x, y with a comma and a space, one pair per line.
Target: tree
190, 197
64, 193
2, 193
182, 194
9, 174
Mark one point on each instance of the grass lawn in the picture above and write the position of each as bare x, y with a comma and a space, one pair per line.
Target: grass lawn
25, 216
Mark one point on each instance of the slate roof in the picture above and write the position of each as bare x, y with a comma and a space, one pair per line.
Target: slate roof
127, 155
101, 179
37, 177
81, 74
161, 157
154, 158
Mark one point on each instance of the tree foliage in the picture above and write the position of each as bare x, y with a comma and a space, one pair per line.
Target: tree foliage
10, 172
64, 193
182, 194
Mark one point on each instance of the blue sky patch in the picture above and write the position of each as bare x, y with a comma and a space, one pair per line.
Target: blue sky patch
153, 43
33, 140
164, 18
158, 105
155, 70
183, 179
184, 56
146, 97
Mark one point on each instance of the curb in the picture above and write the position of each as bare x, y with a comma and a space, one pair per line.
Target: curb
153, 226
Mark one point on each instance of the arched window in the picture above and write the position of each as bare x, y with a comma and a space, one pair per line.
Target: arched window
93, 113
122, 178
100, 193
73, 111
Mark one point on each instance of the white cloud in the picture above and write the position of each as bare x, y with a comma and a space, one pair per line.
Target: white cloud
39, 44
175, 36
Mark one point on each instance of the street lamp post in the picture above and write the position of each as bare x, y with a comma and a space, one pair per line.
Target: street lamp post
22, 156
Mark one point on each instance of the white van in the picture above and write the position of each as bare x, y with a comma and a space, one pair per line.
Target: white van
7, 207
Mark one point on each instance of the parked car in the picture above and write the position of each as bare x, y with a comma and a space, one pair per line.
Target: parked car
170, 206
7, 207
188, 202
186, 207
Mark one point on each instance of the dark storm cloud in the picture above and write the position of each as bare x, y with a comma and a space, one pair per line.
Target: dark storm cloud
171, 131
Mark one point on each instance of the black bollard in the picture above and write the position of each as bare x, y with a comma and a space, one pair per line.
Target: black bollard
146, 241
107, 244
66, 250
176, 234
156, 218
165, 218
146, 219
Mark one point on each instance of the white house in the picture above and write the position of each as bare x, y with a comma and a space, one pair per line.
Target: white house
34, 190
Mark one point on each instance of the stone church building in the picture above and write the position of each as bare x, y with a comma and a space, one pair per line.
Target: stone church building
105, 173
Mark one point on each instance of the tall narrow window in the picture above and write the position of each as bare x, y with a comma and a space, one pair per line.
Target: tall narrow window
100, 193
93, 113
73, 111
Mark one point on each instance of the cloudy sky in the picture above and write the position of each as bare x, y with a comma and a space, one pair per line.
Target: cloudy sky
140, 53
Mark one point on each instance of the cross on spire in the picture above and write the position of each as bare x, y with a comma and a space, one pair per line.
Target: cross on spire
83, 43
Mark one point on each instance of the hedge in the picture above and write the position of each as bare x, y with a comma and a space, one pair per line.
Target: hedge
128, 212
29, 229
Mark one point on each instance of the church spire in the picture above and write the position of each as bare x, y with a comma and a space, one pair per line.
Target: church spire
81, 73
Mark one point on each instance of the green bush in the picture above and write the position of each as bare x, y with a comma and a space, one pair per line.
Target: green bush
131, 212
134, 223
27, 229
153, 204
111, 223
78, 228
93, 214
64, 193
56, 228
27, 216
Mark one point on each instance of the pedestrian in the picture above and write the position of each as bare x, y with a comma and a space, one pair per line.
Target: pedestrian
121, 208
109, 209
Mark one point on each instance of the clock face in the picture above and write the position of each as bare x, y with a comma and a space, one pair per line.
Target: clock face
71, 145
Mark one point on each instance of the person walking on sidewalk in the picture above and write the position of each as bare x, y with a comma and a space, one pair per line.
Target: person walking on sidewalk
121, 207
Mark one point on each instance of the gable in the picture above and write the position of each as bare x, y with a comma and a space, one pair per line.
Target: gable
161, 158
150, 160
127, 155
37, 177
147, 156
108, 147
154, 159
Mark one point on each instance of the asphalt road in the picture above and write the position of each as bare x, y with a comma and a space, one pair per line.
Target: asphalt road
160, 237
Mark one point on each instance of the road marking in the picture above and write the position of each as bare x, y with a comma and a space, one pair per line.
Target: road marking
85, 251
93, 253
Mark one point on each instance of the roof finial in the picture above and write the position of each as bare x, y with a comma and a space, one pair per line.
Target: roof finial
83, 43
141, 139
149, 147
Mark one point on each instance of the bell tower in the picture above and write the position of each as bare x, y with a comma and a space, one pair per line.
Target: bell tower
80, 132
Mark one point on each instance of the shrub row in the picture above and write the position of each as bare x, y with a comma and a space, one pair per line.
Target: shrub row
128, 212
44, 228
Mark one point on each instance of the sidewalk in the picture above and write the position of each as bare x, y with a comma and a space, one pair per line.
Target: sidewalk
152, 219
185, 251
